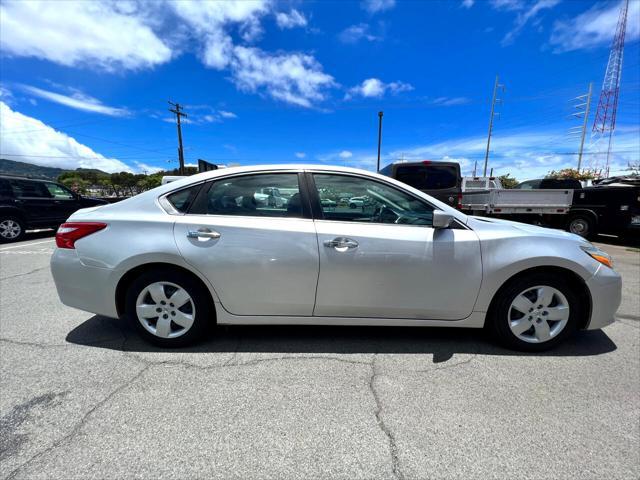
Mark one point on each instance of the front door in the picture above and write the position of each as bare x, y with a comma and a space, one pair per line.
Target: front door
64, 201
383, 259
260, 257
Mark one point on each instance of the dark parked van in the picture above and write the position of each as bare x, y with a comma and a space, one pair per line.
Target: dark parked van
441, 180
27, 203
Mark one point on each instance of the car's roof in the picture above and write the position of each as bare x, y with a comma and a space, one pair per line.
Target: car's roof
20, 177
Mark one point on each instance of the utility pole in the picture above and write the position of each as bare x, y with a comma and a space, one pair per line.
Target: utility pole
177, 110
380, 114
583, 111
494, 100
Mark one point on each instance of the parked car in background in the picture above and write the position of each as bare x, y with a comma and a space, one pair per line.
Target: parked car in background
176, 259
355, 202
29, 204
441, 180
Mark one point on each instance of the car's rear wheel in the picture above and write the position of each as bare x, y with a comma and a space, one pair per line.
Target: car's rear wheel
169, 308
581, 225
11, 229
535, 312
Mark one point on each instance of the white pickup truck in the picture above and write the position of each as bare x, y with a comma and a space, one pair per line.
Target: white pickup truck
485, 196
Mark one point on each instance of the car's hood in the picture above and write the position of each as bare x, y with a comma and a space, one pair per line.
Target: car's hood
507, 227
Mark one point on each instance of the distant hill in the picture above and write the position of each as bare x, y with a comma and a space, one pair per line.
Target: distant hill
11, 167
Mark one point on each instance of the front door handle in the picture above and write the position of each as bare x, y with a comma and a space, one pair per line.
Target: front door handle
341, 244
204, 233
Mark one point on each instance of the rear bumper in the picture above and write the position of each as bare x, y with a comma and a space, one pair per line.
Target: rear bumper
606, 293
87, 288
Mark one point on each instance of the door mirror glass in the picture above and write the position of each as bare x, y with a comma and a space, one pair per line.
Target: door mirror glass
442, 219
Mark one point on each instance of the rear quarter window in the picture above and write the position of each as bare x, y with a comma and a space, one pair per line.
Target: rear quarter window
183, 199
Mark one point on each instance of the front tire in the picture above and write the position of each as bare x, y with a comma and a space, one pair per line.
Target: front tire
169, 308
12, 229
534, 313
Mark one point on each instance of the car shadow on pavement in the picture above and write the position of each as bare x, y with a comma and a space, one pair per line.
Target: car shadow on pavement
442, 343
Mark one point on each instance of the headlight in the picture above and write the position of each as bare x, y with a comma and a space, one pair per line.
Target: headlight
597, 254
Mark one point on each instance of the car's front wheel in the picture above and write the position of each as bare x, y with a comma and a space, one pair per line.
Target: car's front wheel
169, 308
535, 312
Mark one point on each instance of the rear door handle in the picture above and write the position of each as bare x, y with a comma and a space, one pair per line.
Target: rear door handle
204, 232
341, 244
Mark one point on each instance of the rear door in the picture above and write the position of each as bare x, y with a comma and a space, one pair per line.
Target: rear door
385, 260
261, 258
35, 201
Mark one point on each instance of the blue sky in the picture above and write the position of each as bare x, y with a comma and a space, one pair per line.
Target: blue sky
86, 83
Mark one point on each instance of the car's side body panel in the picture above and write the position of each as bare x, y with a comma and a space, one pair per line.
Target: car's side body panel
398, 271
259, 266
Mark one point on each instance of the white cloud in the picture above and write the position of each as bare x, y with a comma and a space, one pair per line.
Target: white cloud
525, 16
594, 28
77, 100
468, 3
300, 154
376, 88
355, 33
375, 6
508, 4
225, 114
345, 154
146, 168
78, 33
27, 139
292, 19
450, 101
294, 78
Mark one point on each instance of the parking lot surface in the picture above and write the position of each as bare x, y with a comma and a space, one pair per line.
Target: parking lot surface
82, 397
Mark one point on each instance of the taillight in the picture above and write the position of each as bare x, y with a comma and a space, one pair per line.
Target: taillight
69, 233
459, 201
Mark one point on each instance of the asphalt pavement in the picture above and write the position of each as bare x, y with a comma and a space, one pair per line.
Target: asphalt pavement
81, 396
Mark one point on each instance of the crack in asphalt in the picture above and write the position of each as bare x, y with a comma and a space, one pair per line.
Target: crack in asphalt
24, 274
76, 428
393, 447
34, 344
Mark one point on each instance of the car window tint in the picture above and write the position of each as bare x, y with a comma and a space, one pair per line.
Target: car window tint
183, 199
356, 199
5, 188
59, 192
428, 177
26, 188
263, 195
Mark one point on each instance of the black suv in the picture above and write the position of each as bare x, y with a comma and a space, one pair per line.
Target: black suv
27, 203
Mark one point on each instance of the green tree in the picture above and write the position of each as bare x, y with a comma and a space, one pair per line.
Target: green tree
571, 173
507, 181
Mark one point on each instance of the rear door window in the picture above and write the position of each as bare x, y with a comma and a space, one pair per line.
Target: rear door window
428, 177
58, 192
29, 189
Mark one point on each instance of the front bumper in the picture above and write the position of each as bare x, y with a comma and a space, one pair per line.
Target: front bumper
87, 288
606, 293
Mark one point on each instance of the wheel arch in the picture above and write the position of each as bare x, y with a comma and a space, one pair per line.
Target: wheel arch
125, 281
13, 211
582, 212
571, 277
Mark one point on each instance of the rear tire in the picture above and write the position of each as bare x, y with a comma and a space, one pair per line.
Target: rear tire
12, 229
169, 308
582, 225
528, 330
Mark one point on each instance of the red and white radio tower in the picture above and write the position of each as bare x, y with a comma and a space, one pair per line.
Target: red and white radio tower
605, 119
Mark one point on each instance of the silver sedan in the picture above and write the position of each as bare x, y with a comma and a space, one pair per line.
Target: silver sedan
203, 250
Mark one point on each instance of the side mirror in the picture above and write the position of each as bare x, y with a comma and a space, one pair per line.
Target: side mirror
441, 219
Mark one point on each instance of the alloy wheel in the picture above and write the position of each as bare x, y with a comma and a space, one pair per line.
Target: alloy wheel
538, 314
165, 309
579, 226
10, 229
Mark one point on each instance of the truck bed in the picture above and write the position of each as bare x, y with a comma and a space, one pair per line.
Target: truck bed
509, 201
